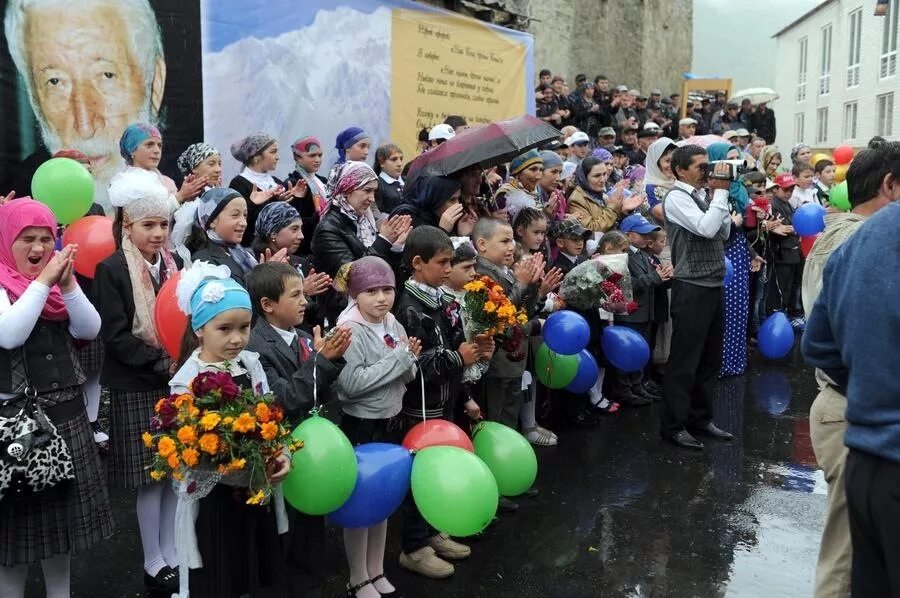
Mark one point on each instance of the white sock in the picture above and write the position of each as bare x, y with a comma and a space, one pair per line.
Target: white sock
167, 526
597, 391
375, 557
149, 500
356, 542
12, 581
56, 576
92, 396
526, 411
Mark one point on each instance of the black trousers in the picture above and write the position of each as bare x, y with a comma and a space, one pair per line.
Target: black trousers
873, 504
695, 356
784, 289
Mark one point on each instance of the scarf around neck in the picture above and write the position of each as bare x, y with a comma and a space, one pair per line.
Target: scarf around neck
143, 325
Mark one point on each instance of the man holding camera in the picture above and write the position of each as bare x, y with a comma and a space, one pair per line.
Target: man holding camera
697, 228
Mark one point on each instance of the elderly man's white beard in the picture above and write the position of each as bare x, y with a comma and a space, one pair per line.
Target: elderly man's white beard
95, 146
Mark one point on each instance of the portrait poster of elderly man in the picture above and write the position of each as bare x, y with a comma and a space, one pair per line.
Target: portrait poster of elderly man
78, 73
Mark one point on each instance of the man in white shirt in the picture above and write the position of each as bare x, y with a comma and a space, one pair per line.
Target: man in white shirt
697, 229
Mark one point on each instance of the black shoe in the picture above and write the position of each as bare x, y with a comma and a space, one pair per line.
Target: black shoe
637, 401
351, 591
394, 594
507, 506
530, 493
652, 387
684, 439
713, 431
654, 394
164, 581
584, 419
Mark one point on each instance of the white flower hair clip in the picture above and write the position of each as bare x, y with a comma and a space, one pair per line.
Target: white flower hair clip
213, 292
193, 277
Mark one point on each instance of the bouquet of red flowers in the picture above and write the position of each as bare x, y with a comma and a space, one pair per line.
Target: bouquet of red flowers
218, 428
593, 284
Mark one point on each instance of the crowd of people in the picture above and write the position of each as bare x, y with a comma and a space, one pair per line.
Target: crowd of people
348, 288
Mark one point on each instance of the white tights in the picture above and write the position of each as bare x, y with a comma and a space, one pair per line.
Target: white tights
365, 555
92, 396
56, 578
156, 521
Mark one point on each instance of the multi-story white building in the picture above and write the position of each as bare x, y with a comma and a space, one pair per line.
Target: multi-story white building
837, 75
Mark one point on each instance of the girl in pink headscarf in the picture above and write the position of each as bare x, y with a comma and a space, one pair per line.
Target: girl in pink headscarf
42, 310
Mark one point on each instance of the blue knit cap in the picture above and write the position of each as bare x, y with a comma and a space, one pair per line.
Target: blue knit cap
347, 139
215, 296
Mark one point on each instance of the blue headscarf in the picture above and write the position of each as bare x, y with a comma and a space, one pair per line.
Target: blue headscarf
737, 192
347, 139
434, 191
133, 136
214, 296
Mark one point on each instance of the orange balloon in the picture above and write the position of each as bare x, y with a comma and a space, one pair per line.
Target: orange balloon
840, 172
94, 237
171, 322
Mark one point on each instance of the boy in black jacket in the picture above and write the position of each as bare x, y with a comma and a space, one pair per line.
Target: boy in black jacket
784, 286
288, 356
433, 317
645, 279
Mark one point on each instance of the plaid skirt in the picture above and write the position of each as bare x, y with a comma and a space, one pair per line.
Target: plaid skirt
70, 517
91, 356
128, 465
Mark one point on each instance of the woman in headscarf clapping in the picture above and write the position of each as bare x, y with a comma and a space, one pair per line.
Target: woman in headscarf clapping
307, 162
259, 155
658, 178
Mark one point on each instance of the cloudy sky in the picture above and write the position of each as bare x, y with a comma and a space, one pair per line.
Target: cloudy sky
733, 38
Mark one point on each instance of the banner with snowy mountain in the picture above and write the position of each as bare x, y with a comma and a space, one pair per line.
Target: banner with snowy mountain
217, 70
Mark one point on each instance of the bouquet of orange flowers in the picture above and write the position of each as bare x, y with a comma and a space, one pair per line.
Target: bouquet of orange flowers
489, 311
220, 429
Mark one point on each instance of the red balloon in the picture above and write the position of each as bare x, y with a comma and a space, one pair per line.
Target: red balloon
94, 237
437, 432
171, 322
843, 154
806, 243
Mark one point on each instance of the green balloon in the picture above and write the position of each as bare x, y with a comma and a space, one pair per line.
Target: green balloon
324, 470
508, 455
64, 186
839, 197
454, 490
555, 370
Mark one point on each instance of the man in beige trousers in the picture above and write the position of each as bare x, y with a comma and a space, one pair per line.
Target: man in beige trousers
826, 416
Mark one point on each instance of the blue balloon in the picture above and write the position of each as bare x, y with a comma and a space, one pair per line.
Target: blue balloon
566, 332
773, 391
382, 481
625, 348
776, 337
588, 371
809, 220
729, 271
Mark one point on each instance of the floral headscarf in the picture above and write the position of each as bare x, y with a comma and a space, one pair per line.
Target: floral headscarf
194, 155
350, 177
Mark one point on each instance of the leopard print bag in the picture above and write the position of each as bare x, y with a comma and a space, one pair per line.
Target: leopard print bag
33, 455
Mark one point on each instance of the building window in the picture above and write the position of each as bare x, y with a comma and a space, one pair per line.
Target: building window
798, 127
854, 46
850, 112
889, 43
801, 79
825, 71
821, 125
884, 115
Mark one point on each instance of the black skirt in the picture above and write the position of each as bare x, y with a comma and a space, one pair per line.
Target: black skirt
70, 517
240, 548
129, 417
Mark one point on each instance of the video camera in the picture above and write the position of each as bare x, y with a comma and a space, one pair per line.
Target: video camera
735, 170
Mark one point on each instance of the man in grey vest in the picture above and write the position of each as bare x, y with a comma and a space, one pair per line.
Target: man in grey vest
697, 230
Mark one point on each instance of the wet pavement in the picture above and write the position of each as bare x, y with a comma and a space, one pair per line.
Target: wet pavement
619, 512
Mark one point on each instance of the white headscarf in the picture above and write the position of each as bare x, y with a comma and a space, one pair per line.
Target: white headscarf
655, 176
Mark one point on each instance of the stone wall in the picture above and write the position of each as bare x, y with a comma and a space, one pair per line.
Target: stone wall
640, 43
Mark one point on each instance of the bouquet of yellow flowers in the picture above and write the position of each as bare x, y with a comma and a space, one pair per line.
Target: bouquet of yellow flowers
220, 429
489, 311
